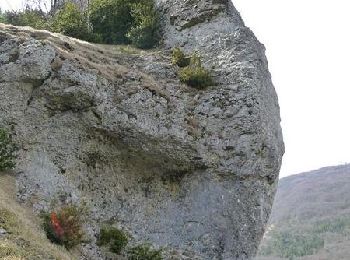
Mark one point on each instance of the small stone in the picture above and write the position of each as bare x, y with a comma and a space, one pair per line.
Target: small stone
3, 232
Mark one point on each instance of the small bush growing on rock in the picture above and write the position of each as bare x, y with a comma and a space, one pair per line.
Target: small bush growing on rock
144, 252
7, 151
179, 58
195, 75
115, 239
64, 227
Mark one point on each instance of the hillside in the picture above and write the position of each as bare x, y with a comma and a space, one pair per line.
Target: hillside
310, 216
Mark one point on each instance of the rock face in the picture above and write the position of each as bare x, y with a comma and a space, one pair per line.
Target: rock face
113, 128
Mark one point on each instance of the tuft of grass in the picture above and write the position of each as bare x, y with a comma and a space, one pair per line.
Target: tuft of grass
10, 251
128, 49
144, 252
195, 75
115, 239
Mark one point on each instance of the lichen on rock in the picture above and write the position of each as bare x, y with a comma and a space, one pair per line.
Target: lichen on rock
191, 171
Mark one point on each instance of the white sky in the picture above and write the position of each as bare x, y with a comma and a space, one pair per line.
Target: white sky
308, 48
18, 4
10, 4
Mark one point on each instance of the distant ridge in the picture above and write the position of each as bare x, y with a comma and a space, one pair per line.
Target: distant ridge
311, 216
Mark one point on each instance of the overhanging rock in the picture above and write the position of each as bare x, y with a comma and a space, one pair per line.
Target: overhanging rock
191, 171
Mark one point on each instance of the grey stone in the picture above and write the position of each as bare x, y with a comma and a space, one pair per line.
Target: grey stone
3, 232
191, 171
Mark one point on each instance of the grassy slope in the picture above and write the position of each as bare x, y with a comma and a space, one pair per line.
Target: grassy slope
311, 217
25, 238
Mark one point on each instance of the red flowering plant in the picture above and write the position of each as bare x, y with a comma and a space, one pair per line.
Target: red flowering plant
64, 227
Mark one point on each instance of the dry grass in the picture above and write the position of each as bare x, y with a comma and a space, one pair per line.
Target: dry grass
111, 62
25, 238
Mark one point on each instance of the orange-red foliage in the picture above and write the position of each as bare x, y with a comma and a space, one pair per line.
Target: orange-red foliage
56, 226
65, 227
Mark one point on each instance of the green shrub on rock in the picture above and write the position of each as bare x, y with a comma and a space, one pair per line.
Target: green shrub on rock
195, 75
114, 238
144, 252
7, 151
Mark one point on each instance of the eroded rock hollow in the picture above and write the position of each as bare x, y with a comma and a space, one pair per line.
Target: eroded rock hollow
192, 171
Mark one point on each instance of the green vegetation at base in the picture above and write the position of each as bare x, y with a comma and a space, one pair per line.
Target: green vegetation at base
7, 151
133, 22
144, 252
115, 239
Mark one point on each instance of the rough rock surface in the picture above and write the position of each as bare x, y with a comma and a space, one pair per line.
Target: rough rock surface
191, 171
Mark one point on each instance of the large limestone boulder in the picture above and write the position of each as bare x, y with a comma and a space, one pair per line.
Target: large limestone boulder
113, 128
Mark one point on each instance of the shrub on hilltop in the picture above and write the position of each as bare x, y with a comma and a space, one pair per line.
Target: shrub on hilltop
125, 21
71, 21
111, 19
133, 22
35, 18
144, 31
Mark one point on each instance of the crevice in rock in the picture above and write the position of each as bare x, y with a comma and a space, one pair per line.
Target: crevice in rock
203, 16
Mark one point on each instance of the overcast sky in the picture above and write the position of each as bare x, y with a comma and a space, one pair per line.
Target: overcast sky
11, 4
308, 48
18, 4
